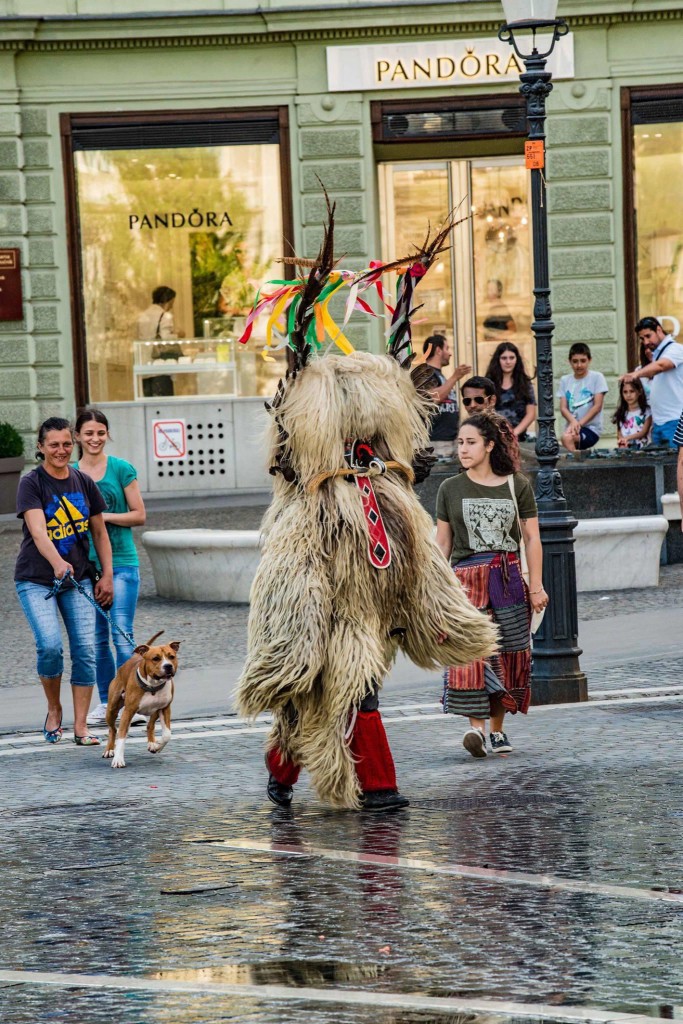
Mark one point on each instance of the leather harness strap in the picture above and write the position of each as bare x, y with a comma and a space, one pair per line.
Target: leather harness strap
361, 458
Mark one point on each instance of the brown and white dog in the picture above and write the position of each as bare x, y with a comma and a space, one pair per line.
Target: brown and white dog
144, 684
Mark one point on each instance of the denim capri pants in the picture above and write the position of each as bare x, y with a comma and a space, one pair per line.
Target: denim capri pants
43, 618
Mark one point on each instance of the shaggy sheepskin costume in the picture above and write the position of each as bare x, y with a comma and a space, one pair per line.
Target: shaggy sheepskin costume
325, 624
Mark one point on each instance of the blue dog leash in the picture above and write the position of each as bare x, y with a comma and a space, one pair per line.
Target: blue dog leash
57, 586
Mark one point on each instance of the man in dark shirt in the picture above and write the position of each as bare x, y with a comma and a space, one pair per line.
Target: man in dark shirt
444, 428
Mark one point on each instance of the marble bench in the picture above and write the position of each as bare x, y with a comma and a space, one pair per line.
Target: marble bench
619, 554
203, 565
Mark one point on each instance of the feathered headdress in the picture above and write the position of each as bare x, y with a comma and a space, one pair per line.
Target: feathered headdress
300, 309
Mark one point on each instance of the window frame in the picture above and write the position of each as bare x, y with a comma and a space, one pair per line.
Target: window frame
629, 95
68, 122
446, 104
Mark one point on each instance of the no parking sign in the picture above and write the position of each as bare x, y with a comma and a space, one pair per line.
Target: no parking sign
169, 439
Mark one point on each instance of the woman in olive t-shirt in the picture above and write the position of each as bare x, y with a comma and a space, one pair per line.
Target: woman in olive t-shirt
117, 481
482, 515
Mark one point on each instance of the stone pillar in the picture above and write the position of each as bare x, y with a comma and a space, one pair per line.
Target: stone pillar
17, 379
582, 227
331, 147
42, 163
31, 386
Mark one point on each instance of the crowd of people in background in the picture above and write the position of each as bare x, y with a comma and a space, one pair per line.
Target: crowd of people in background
78, 561
648, 410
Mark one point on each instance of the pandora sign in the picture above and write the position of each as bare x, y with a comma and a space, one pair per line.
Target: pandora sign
420, 65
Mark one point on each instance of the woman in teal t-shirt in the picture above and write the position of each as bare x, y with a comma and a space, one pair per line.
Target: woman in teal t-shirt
117, 481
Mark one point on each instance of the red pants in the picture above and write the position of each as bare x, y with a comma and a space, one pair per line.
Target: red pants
369, 747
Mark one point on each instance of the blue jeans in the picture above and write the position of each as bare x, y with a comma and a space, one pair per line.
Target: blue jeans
43, 618
122, 612
663, 434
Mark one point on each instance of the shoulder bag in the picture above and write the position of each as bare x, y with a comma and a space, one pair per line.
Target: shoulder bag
536, 617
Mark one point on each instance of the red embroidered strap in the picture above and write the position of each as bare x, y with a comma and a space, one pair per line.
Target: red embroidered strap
378, 543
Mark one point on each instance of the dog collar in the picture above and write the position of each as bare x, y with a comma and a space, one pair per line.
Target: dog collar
145, 685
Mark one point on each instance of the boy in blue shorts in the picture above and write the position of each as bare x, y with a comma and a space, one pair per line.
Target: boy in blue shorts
581, 395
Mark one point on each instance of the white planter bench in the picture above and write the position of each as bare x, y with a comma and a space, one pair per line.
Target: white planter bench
203, 565
219, 565
671, 507
619, 554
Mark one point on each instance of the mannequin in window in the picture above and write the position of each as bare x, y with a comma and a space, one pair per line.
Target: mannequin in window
156, 324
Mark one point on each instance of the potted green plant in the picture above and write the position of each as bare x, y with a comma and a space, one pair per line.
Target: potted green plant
11, 465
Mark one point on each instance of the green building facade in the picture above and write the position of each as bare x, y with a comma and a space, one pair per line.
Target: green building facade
184, 144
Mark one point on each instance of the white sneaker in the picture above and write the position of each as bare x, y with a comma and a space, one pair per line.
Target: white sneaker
474, 742
138, 719
98, 715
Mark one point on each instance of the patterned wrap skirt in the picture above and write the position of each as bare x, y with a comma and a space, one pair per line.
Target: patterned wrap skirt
493, 582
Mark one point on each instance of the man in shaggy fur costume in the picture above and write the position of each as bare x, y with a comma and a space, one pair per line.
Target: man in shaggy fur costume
349, 571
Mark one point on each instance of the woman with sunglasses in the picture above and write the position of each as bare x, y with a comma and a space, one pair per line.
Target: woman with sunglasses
61, 508
483, 517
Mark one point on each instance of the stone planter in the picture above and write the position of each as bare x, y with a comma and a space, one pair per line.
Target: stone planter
203, 565
618, 554
10, 471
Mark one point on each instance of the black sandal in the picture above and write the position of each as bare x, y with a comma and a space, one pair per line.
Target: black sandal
86, 741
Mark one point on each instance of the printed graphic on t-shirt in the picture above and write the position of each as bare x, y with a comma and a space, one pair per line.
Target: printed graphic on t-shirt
59, 528
633, 423
489, 523
451, 403
579, 398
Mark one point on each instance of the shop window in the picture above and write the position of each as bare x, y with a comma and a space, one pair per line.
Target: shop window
478, 293
177, 224
654, 170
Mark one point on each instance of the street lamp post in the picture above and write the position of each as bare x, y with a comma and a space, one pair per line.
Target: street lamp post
557, 676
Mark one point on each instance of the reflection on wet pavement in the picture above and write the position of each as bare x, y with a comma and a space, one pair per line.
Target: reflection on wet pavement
124, 888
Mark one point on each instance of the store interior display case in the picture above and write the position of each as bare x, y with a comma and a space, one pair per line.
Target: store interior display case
185, 366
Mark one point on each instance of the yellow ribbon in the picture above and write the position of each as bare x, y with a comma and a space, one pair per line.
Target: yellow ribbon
274, 316
331, 327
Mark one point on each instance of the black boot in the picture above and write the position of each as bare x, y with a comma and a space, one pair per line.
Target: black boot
384, 800
279, 794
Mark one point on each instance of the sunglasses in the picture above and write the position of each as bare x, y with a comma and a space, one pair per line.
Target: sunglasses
478, 400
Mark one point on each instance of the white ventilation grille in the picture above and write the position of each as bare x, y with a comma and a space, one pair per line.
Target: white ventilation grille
209, 464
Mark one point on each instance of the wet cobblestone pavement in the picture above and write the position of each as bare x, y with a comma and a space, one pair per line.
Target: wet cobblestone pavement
177, 870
